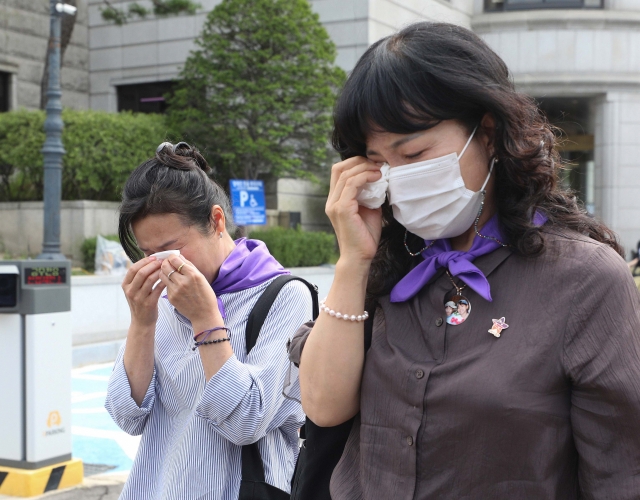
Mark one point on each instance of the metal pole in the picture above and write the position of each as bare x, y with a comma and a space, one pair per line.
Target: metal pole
53, 151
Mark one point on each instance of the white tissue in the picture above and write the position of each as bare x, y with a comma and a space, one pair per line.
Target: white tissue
373, 194
165, 255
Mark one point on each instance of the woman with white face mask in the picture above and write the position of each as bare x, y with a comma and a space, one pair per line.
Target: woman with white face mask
449, 193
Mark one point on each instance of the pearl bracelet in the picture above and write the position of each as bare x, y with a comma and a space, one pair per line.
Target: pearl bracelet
339, 315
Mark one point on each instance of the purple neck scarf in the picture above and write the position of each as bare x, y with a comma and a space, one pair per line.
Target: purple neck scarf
459, 264
249, 264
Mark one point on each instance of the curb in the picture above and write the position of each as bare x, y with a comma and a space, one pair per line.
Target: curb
95, 353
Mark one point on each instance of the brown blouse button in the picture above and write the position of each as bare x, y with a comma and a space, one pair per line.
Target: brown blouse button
419, 373
439, 322
409, 440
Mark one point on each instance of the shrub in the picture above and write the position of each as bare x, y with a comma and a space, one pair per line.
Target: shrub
160, 8
102, 149
21, 164
297, 248
88, 249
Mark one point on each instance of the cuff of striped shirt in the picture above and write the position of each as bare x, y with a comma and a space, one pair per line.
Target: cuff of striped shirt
224, 391
121, 397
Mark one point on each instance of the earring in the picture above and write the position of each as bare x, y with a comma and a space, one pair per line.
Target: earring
220, 234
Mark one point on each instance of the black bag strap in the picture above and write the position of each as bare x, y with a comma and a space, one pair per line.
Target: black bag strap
259, 313
368, 328
252, 466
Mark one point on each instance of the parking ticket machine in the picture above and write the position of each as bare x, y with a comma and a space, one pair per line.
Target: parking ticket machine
35, 363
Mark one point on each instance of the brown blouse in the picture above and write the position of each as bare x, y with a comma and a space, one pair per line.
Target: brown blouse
549, 410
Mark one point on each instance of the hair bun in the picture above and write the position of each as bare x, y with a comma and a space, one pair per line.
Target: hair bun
181, 156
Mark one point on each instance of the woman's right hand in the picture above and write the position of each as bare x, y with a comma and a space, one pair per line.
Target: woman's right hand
333, 357
357, 228
141, 296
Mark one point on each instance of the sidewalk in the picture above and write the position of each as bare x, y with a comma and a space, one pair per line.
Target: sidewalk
97, 440
100, 487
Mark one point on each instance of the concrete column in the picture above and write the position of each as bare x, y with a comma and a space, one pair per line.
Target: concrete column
617, 159
13, 92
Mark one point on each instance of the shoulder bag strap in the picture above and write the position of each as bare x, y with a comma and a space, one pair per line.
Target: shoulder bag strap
252, 466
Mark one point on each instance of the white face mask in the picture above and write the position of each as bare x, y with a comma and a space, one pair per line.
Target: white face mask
428, 198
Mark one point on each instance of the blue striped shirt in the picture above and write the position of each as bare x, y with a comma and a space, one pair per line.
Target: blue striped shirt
192, 430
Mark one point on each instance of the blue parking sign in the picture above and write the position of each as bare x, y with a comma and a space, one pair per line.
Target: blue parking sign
248, 202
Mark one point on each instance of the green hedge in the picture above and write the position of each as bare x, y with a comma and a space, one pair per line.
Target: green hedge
88, 249
297, 248
291, 247
102, 150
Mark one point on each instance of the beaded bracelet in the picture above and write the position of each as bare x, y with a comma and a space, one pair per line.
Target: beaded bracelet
206, 342
339, 315
210, 331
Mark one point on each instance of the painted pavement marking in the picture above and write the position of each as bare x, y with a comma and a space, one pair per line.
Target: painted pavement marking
96, 438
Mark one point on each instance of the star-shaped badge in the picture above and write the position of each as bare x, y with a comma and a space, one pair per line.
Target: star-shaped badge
498, 326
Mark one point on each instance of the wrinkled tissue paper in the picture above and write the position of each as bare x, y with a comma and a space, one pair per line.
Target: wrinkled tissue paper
373, 194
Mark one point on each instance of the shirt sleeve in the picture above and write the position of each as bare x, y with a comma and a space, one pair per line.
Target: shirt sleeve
602, 360
243, 401
298, 341
124, 411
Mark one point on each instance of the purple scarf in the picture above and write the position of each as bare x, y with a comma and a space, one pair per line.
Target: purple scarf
249, 264
458, 263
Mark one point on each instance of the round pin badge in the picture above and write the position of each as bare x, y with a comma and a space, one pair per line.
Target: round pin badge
457, 309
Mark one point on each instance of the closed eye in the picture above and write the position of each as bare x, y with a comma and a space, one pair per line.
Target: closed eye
414, 156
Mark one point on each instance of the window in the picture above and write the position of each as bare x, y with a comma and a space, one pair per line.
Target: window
5, 91
505, 5
573, 116
144, 97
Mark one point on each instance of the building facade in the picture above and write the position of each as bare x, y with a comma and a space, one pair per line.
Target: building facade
583, 66
24, 35
579, 58
139, 59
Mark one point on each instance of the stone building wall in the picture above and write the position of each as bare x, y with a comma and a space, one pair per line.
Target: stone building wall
592, 55
24, 33
154, 49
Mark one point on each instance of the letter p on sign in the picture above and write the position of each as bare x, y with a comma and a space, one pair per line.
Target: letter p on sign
244, 197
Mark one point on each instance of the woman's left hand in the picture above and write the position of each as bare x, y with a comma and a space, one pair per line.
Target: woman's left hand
189, 291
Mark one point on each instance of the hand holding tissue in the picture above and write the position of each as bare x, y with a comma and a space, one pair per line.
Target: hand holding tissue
373, 194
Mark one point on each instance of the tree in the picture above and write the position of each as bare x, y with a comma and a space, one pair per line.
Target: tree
256, 95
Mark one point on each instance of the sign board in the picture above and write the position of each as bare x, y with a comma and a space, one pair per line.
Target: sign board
45, 275
248, 202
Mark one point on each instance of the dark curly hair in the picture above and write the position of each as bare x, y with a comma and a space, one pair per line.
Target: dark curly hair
430, 72
175, 181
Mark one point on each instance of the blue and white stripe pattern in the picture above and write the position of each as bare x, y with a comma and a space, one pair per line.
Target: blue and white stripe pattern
193, 430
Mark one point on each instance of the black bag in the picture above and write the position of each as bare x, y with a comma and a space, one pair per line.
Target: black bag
253, 485
321, 449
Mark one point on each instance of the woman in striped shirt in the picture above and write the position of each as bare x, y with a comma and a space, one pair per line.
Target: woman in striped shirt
196, 406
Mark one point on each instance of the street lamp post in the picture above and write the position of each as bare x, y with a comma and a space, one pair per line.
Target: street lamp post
53, 151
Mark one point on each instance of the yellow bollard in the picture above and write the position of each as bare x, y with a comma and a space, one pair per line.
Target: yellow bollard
30, 483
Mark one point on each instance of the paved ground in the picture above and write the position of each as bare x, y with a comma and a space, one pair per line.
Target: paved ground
97, 440
100, 487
